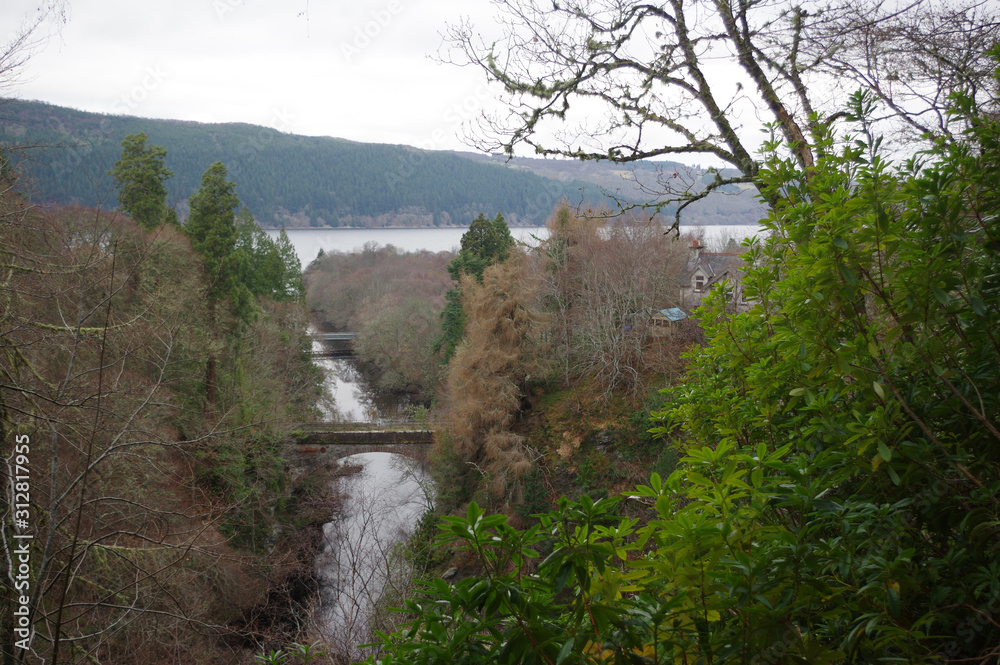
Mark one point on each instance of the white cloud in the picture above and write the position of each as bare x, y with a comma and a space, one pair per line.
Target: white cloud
358, 70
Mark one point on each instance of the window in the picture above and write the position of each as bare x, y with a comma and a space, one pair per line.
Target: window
699, 282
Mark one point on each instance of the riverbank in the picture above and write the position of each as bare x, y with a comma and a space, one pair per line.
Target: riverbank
285, 612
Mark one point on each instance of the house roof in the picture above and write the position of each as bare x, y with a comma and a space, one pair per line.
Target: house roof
673, 313
715, 264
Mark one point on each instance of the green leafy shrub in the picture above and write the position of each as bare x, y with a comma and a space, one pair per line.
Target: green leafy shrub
836, 496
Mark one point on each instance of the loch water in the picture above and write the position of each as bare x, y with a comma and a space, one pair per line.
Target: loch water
308, 242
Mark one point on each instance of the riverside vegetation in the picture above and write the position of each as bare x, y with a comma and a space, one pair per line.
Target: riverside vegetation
534, 386
834, 496
828, 468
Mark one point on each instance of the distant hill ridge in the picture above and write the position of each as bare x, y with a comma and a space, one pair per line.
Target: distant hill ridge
302, 181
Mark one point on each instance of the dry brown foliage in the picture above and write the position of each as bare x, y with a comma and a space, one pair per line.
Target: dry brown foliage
487, 376
343, 286
393, 300
102, 344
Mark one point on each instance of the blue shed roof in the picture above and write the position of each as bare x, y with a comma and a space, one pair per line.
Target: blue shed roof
674, 313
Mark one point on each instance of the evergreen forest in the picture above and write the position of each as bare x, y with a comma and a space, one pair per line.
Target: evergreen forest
284, 179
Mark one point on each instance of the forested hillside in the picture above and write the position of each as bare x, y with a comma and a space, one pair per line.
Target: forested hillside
643, 180
284, 179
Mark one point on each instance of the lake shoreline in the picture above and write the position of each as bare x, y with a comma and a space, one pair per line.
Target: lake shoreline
308, 242
271, 227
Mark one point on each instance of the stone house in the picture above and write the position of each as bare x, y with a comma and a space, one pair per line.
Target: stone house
704, 270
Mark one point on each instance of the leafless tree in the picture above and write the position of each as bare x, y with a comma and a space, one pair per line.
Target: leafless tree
102, 341
913, 55
33, 32
99, 335
625, 80
603, 283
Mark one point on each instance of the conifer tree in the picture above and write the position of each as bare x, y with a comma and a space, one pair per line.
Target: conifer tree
292, 287
488, 374
139, 175
258, 265
485, 243
267, 268
212, 230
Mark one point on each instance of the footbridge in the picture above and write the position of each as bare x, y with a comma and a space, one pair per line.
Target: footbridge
326, 441
334, 337
334, 344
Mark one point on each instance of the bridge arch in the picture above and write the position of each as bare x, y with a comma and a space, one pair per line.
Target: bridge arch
328, 442
328, 452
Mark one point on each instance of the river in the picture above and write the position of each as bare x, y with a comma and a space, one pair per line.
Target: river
360, 566
352, 399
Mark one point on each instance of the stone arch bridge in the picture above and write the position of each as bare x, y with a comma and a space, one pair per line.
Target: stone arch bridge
320, 443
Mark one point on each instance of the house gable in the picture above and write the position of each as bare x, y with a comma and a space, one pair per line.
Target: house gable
706, 269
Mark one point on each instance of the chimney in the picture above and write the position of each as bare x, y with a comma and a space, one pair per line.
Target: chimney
695, 251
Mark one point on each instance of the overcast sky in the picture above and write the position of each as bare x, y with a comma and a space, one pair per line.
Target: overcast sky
356, 69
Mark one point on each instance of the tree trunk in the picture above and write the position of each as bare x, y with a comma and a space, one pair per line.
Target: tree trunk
210, 381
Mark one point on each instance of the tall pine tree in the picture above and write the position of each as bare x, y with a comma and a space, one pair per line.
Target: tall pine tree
139, 175
259, 266
292, 287
212, 230
267, 268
